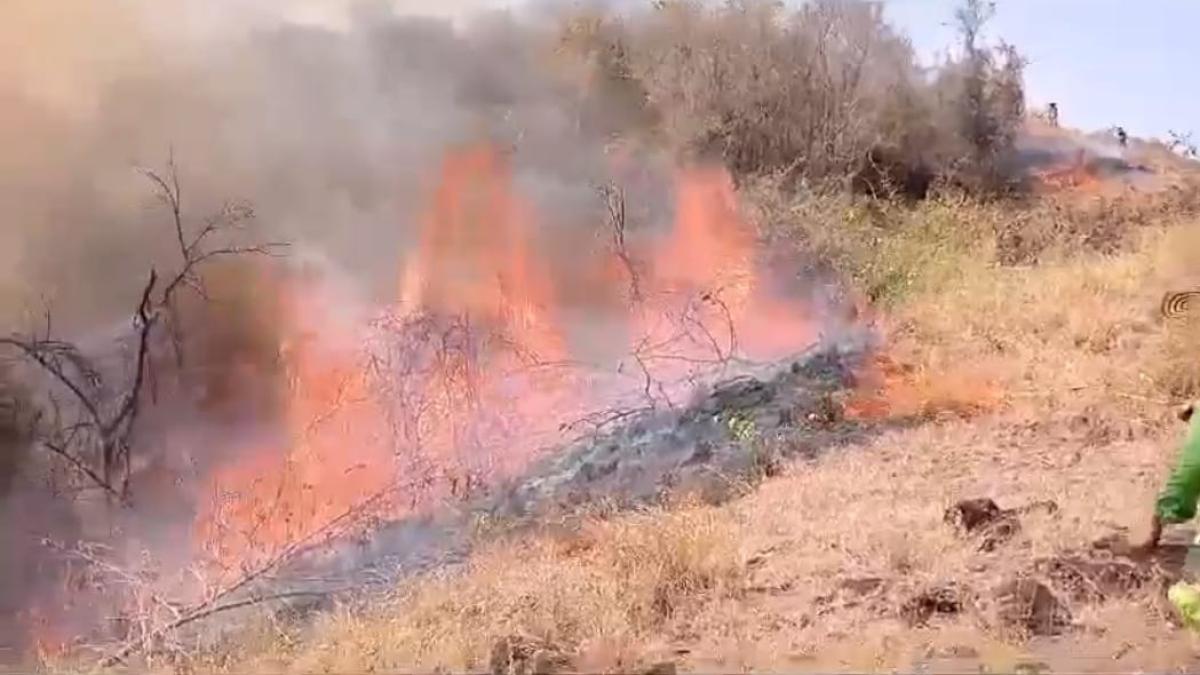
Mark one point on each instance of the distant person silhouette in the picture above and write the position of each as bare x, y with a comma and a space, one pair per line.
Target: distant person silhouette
1052, 114
1122, 137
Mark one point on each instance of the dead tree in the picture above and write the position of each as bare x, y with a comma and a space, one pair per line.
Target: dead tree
85, 421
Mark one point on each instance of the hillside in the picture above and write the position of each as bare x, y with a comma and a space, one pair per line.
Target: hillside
684, 336
1045, 387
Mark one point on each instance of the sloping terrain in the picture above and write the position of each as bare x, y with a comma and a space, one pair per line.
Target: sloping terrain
1095, 164
697, 337
1046, 389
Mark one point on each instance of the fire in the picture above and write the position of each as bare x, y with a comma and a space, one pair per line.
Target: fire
45, 635
477, 316
1078, 175
471, 372
711, 255
891, 389
1082, 178
332, 454
710, 246
476, 256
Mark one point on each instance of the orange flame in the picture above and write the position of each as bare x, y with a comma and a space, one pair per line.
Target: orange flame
333, 453
476, 256
47, 639
482, 323
1079, 178
712, 249
891, 389
710, 245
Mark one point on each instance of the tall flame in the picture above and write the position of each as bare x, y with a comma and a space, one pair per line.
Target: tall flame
474, 373
332, 453
476, 256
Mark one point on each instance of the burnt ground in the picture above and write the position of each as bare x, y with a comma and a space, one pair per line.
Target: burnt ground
716, 447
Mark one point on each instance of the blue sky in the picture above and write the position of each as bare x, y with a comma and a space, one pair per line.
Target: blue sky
1132, 63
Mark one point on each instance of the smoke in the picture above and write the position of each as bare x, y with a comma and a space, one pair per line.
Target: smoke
328, 117
331, 119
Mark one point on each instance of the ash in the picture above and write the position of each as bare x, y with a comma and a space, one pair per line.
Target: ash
713, 447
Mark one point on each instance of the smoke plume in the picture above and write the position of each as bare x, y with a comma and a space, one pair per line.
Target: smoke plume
336, 122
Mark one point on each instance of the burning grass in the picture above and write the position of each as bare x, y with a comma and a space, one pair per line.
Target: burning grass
474, 366
388, 413
888, 389
810, 572
1027, 339
472, 373
1064, 396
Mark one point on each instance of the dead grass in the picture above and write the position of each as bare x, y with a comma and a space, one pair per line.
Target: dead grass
877, 514
599, 590
761, 583
1083, 331
1085, 374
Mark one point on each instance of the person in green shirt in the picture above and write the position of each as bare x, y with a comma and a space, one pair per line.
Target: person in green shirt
1177, 501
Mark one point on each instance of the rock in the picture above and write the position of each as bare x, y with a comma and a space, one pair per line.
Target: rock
969, 515
862, 586
660, 668
518, 655
919, 609
1030, 607
983, 518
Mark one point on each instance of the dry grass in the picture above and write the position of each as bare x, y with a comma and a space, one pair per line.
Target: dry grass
877, 513
600, 590
1085, 374
1042, 315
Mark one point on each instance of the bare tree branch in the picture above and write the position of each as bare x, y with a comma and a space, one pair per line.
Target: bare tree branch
84, 468
218, 600
614, 201
99, 444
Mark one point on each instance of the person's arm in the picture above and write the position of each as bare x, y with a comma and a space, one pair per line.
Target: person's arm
1177, 501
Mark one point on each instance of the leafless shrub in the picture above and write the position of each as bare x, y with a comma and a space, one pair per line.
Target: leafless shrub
151, 606
614, 202
85, 419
